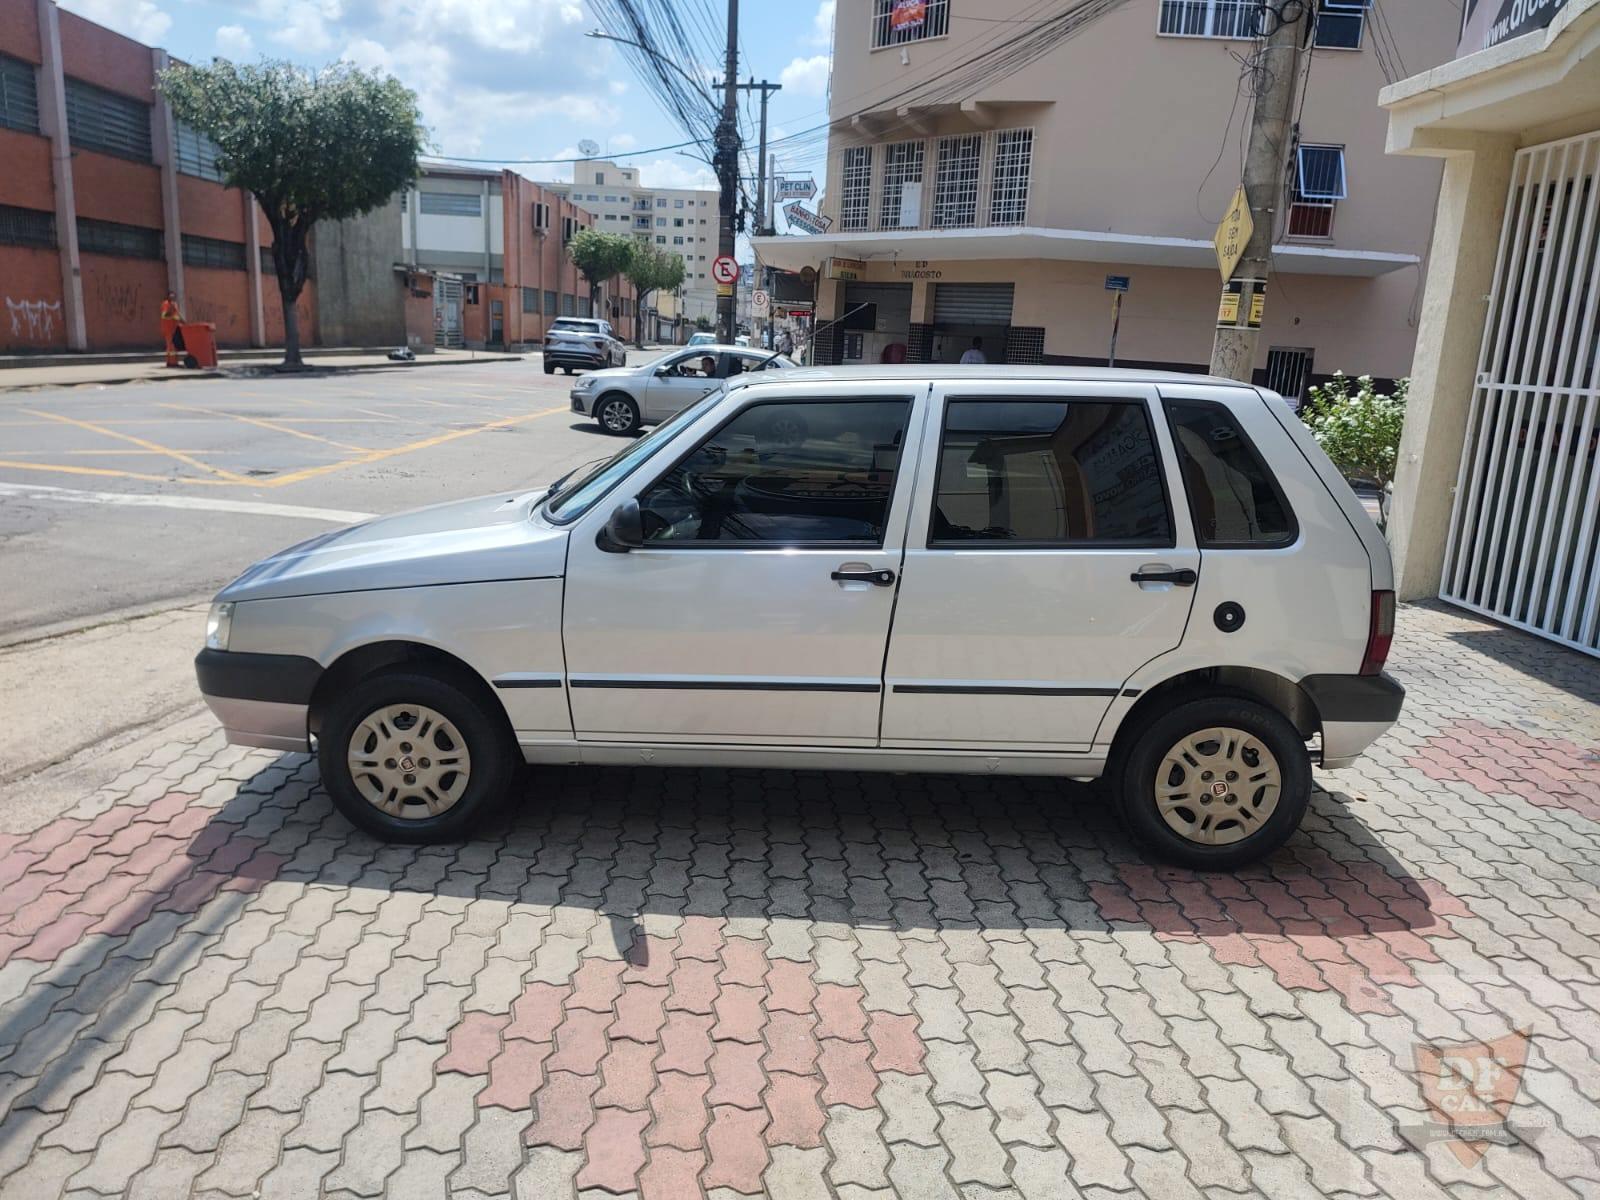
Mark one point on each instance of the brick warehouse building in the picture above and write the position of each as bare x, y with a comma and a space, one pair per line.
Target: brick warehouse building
107, 203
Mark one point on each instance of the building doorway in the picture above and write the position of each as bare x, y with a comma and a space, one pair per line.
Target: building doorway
965, 311
875, 323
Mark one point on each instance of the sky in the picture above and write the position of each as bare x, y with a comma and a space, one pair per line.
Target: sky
503, 80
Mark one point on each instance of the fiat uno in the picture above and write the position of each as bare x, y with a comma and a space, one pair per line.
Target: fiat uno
1152, 578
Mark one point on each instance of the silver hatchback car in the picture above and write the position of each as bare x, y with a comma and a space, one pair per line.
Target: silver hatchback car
625, 399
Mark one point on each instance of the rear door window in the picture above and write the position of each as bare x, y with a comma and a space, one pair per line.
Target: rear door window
1234, 498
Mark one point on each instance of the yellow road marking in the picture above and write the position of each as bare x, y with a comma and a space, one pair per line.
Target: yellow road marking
145, 444
62, 467
109, 453
426, 443
265, 424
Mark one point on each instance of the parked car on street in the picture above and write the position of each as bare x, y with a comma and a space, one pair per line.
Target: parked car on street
625, 400
582, 343
1153, 578
703, 338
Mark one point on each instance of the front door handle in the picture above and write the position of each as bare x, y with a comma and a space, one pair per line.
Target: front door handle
882, 578
1183, 577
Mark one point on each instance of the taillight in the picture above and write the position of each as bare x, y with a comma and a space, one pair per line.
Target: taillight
1380, 633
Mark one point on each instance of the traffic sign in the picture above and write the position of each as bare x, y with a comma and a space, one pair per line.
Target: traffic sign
1117, 283
1233, 235
724, 269
759, 301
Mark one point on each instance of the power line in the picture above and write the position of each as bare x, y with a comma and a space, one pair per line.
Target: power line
556, 161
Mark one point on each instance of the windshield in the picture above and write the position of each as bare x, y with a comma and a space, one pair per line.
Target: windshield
580, 325
578, 495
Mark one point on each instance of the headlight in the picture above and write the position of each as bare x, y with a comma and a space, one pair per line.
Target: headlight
219, 624
584, 383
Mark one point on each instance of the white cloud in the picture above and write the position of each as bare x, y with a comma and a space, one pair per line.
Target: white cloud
234, 41
822, 24
807, 76
302, 25
142, 20
623, 141
676, 173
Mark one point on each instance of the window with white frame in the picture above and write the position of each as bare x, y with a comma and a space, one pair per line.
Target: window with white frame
955, 185
895, 22
1210, 18
901, 205
1340, 23
855, 190
1319, 185
1008, 191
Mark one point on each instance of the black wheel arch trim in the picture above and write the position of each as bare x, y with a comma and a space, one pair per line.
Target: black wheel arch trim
1355, 698
273, 678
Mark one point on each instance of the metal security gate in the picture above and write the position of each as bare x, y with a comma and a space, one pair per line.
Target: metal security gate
447, 312
1524, 543
972, 303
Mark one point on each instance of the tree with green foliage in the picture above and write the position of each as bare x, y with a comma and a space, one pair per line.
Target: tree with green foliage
599, 257
702, 323
331, 144
650, 271
1357, 426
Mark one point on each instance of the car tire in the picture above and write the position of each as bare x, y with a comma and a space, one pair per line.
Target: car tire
377, 799
617, 414
1176, 796
568, 370
549, 368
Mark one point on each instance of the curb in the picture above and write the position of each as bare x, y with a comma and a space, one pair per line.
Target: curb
253, 371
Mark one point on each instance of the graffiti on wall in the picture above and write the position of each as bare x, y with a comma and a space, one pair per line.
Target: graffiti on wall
33, 320
120, 299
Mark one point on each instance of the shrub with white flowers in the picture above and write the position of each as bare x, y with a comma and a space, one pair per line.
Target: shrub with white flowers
1357, 426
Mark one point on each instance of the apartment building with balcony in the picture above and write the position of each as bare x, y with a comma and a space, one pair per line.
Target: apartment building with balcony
681, 221
971, 195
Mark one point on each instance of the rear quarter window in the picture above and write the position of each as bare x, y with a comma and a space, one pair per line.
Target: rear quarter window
1234, 497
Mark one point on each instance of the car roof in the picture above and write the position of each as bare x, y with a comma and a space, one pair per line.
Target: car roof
711, 347
990, 373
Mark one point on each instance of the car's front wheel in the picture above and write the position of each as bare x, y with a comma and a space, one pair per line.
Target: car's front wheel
549, 368
414, 757
1214, 783
617, 414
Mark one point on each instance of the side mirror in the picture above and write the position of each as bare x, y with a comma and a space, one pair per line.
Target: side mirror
624, 530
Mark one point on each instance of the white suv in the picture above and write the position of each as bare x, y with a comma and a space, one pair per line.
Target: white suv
1156, 578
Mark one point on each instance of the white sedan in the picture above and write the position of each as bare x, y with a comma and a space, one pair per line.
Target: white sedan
624, 399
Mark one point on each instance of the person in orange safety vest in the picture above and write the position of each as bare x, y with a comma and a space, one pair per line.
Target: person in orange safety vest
170, 317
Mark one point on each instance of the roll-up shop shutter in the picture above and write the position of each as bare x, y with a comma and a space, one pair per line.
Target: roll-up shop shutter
972, 303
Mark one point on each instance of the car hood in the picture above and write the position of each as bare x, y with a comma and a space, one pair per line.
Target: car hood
465, 541
615, 374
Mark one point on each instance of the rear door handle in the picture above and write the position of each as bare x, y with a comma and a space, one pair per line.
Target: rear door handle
882, 578
1184, 577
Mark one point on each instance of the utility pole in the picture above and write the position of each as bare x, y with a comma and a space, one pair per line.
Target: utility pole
1277, 73
727, 165
763, 225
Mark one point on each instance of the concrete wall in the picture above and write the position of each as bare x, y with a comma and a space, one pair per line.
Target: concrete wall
361, 298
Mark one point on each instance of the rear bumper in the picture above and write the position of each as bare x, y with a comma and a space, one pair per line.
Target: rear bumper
1356, 710
559, 357
260, 699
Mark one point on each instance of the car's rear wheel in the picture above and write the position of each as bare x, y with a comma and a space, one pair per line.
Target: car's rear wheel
617, 414
414, 757
1214, 783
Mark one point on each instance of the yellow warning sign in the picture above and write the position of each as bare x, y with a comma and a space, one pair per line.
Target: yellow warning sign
1258, 303
1228, 309
1233, 235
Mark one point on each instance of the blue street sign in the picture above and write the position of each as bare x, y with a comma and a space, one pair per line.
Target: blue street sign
1117, 283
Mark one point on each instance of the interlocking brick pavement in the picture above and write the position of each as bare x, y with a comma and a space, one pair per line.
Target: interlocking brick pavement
728, 984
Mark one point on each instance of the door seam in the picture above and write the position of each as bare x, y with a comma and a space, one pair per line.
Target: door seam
900, 575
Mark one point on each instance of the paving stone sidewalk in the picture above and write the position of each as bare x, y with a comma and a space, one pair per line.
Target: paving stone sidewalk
726, 984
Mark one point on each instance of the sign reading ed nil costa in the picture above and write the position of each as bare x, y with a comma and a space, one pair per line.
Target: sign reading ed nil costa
1486, 23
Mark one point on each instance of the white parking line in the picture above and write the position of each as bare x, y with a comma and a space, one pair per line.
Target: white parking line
35, 491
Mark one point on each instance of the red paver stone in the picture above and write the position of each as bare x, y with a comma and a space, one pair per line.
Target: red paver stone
797, 1118
580, 1042
739, 1014
641, 1012
561, 1110
596, 985
536, 1013
694, 987
791, 1043
472, 1044
700, 938
63, 830
680, 1110
615, 1150
840, 1012
895, 1044
792, 989
627, 1075
649, 961
672, 1175
850, 1080
685, 1043
514, 1075
743, 962
48, 945
736, 1077
737, 1150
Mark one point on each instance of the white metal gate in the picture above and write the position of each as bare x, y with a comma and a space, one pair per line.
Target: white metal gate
447, 312
1525, 528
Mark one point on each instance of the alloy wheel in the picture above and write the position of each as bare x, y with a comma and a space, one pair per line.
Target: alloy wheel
616, 416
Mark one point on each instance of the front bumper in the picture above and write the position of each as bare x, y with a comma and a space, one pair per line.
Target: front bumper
261, 700
1356, 710
580, 402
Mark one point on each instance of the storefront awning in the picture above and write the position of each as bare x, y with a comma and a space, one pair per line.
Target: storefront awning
793, 252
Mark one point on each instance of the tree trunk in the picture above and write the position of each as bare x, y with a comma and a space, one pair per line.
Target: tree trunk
638, 318
291, 328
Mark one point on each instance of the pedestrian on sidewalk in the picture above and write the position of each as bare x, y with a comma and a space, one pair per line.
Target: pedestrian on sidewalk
171, 317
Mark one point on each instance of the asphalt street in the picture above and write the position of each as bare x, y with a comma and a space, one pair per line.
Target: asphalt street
124, 508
